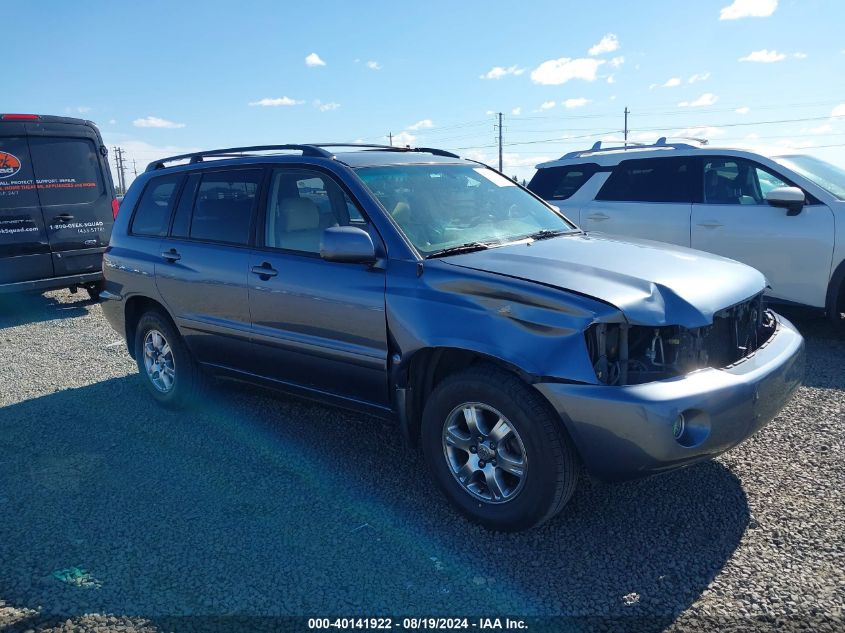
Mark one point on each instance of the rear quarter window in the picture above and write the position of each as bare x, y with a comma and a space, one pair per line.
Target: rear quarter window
561, 183
650, 180
67, 170
152, 216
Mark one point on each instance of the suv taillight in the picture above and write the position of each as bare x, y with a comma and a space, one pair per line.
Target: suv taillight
115, 207
19, 117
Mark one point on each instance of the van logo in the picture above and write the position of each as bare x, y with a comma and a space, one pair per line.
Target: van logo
9, 165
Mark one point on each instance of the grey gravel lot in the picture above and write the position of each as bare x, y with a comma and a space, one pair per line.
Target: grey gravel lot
116, 515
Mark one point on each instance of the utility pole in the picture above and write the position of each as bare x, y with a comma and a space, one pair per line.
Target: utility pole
500, 140
390, 136
134, 168
627, 111
121, 175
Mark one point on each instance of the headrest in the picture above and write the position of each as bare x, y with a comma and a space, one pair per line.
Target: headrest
299, 214
401, 212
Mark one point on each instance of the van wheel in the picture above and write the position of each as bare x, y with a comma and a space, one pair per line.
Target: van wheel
497, 450
95, 289
166, 366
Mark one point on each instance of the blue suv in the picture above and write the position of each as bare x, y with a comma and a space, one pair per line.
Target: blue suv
435, 292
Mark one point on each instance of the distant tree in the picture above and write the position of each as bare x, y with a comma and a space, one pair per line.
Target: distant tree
515, 178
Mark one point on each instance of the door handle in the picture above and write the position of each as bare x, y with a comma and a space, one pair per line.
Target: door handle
64, 217
598, 217
265, 271
171, 255
712, 224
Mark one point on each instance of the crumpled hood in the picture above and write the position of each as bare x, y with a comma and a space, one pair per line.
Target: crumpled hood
651, 282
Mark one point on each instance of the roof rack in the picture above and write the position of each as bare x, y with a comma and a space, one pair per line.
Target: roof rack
659, 144
316, 150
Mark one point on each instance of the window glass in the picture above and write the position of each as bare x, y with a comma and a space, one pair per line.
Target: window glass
649, 180
561, 183
301, 204
829, 177
443, 206
153, 212
737, 181
223, 207
182, 218
17, 183
67, 170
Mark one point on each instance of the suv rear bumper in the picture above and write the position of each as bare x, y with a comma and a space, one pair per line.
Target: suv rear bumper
52, 283
626, 432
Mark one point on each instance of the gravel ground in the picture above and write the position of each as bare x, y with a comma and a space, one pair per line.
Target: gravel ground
116, 515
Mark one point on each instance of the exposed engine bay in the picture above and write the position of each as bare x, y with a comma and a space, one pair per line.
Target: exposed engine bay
632, 354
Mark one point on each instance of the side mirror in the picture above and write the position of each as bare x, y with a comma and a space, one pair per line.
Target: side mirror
791, 198
347, 244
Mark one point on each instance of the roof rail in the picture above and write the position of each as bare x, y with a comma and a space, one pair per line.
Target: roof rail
316, 150
234, 152
659, 144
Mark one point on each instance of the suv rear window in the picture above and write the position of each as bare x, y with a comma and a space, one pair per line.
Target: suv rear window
650, 180
67, 170
560, 183
153, 213
224, 204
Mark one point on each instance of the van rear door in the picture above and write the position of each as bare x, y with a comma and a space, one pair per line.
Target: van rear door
24, 246
75, 193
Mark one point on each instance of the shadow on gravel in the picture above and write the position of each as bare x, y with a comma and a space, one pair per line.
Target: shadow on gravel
825, 348
23, 308
259, 505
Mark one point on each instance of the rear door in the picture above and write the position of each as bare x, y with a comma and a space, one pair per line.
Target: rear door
75, 194
24, 247
204, 262
794, 252
649, 198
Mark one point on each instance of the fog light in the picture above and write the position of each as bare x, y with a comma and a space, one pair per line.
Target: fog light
679, 426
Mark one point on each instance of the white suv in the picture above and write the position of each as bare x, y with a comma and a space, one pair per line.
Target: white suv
784, 215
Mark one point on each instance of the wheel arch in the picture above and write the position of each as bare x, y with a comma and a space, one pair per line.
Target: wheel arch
137, 306
836, 293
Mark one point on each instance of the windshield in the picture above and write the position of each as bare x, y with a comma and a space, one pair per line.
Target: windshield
829, 177
440, 207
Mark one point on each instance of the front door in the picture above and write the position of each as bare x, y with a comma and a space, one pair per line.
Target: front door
794, 252
316, 324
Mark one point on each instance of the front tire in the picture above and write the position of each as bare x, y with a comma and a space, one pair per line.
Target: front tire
497, 450
165, 364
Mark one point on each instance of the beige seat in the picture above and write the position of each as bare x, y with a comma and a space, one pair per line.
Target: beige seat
298, 225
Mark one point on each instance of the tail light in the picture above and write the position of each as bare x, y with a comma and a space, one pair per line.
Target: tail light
19, 117
115, 207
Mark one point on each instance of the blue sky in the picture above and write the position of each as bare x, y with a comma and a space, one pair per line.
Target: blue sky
164, 77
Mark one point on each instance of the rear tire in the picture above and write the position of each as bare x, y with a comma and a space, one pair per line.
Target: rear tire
165, 364
95, 289
511, 479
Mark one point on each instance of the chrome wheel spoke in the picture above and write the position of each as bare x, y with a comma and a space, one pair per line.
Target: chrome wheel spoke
500, 431
509, 464
471, 418
466, 471
455, 439
493, 484
158, 361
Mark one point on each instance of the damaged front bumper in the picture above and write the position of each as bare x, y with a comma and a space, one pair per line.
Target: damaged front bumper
628, 431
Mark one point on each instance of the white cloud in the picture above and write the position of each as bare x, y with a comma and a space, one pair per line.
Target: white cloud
547, 105
83, 109
824, 128
278, 101
154, 121
424, 124
579, 102
700, 132
404, 138
800, 55
671, 83
764, 56
652, 86
696, 77
608, 44
314, 60
497, 72
743, 110
616, 62
516, 111
748, 9
611, 79
326, 107
838, 110
112, 121
373, 65
554, 72
707, 99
